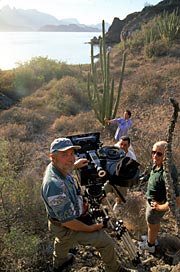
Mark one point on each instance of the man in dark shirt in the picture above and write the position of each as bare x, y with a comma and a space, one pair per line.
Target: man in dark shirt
157, 203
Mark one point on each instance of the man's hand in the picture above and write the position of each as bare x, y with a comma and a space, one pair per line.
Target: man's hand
81, 163
159, 207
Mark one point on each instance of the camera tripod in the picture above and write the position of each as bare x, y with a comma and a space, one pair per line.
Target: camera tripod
121, 233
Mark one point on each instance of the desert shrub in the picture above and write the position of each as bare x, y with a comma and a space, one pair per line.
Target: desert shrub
22, 167
81, 123
22, 153
8, 197
7, 84
36, 100
39, 70
21, 206
27, 164
26, 81
67, 97
31, 213
135, 44
33, 121
21, 243
156, 49
14, 131
20, 251
150, 31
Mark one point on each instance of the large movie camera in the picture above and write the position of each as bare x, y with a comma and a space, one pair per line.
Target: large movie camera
104, 163
101, 160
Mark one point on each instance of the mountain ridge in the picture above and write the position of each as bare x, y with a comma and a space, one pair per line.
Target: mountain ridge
12, 19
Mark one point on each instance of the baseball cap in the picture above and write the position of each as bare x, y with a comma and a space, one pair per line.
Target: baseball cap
62, 144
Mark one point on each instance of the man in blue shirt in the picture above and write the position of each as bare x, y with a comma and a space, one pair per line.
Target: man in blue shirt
123, 123
64, 206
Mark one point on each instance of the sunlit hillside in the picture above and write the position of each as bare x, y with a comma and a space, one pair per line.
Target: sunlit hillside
50, 99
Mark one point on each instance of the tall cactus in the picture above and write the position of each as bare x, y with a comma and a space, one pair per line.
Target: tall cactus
104, 100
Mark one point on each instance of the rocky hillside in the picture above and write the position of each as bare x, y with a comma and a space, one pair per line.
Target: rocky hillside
135, 20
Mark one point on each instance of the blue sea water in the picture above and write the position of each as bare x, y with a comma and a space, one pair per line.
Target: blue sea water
69, 47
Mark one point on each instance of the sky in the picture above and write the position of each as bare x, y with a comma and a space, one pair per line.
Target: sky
85, 11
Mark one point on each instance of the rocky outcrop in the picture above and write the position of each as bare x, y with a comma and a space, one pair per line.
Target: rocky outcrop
113, 34
134, 21
5, 102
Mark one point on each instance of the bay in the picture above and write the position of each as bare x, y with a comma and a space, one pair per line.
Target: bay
69, 47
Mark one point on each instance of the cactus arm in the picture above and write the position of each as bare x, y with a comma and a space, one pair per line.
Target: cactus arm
120, 86
111, 100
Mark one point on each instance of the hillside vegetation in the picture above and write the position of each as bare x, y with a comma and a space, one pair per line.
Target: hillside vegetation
49, 99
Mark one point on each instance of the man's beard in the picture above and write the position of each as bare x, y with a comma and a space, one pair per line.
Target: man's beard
67, 169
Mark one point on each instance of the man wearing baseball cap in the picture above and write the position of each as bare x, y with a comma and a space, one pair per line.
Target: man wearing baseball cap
64, 206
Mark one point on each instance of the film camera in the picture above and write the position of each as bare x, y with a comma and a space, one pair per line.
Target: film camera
104, 163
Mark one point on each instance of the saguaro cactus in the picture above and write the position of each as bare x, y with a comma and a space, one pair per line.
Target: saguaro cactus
103, 98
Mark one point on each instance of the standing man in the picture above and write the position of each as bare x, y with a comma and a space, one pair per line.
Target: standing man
64, 207
123, 123
157, 203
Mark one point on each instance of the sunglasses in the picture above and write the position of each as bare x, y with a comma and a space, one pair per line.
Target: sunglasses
159, 154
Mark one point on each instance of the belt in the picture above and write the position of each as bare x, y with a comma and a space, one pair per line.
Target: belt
54, 221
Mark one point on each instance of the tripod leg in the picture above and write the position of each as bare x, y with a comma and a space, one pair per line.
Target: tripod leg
110, 208
119, 193
123, 234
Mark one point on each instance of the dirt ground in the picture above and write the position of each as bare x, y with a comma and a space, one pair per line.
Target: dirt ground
166, 257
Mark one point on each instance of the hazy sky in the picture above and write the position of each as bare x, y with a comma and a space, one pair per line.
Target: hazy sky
85, 11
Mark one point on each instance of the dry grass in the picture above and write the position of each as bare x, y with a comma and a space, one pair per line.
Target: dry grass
60, 109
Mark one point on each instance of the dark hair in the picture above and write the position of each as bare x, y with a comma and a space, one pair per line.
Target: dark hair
129, 112
125, 138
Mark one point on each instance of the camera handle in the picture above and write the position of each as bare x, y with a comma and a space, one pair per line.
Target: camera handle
95, 160
123, 234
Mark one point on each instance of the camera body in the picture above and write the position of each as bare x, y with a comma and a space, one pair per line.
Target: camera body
102, 161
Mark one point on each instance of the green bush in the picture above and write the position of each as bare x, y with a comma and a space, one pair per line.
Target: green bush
33, 121
81, 123
31, 75
21, 244
156, 49
67, 96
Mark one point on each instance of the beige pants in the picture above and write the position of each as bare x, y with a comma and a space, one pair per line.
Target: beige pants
66, 239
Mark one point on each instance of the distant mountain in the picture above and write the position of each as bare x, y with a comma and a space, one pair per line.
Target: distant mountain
68, 28
99, 26
20, 19
33, 20
68, 21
